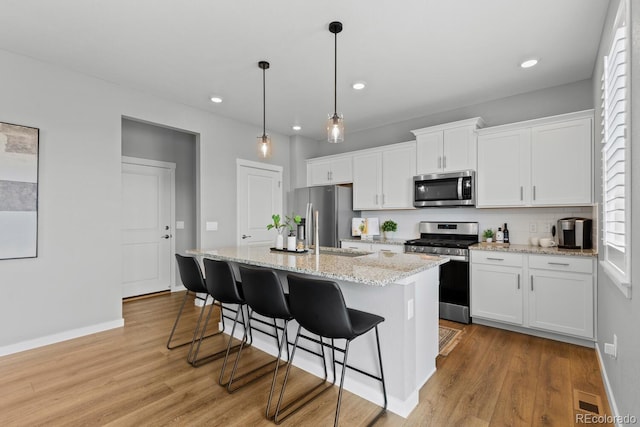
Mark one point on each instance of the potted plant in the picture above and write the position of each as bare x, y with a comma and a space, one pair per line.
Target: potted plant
279, 226
488, 235
388, 228
291, 222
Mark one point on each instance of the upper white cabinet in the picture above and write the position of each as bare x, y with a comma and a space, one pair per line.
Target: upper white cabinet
447, 148
543, 162
383, 177
330, 170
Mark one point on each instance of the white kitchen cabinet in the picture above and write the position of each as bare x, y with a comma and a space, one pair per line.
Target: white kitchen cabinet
561, 166
543, 162
373, 246
447, 148
383, 178
496, 286
329, 170
561, 294
550, 293
503, 168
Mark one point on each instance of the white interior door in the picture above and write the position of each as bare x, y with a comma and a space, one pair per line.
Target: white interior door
259, 196
147, 232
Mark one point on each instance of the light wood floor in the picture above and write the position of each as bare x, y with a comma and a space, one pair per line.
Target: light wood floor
127, 377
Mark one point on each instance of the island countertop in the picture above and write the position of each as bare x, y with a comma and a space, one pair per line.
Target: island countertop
377, 269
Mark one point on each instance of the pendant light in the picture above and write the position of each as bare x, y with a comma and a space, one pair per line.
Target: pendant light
264, 141
335, 124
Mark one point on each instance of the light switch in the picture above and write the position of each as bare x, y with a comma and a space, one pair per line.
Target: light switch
212, 225
179, 225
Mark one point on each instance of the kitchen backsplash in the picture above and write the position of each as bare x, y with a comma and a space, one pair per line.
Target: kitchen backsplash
519, 220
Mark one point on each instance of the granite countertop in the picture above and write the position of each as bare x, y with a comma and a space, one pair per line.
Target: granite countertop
377, 269
376, 240
537, 250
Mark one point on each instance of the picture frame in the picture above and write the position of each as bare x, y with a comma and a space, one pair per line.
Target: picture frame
19, 170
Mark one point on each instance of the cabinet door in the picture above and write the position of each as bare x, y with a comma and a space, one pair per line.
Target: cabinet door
561, 163
503, 169
398, 169
396, 249
496, 293
429, 153
561, 302
367, 181
459, 149
341, 170
318, 172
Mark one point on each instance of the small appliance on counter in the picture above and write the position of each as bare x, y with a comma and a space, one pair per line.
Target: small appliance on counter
575, 233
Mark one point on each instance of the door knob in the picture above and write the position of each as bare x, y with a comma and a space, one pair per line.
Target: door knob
244, 236
166, 236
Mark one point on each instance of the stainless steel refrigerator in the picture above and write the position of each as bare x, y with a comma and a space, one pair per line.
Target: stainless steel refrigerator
334, 204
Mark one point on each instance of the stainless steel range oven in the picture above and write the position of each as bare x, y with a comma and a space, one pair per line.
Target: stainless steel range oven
450, 240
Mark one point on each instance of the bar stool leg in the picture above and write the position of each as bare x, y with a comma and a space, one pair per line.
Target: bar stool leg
344, 370
275, 373
226, 357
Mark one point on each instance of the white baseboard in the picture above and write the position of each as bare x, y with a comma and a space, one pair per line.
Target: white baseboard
59, 337
607, 387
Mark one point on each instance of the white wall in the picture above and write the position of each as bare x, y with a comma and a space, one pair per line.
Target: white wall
73, 286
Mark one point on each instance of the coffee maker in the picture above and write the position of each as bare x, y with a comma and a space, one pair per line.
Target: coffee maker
574, 233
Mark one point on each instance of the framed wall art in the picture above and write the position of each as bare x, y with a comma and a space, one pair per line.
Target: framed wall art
18, 191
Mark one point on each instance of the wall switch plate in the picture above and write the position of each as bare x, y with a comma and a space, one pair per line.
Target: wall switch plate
546, 227
179, 225
212, 226
533, 227
410, 309
612, 349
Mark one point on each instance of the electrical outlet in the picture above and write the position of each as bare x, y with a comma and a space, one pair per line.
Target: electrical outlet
410, 309
546, 227
612, 349
533, 227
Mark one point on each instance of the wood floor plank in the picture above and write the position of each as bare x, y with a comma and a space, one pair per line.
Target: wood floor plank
127, 377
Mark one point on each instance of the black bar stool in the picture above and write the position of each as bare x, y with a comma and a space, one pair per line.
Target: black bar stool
192, 279
223, 287
264, 295
319, 307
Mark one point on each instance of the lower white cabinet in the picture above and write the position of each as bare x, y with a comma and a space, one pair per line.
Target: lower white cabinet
545, 292
373, 247
496, 287
561, 295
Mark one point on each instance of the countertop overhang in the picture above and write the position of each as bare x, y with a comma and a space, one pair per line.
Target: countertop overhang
376, 269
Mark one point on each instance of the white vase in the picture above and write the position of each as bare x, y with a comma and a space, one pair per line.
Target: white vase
279, 241
291, 243
489, 239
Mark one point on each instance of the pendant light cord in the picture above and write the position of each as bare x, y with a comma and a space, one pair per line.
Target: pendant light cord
335, 76
264, 104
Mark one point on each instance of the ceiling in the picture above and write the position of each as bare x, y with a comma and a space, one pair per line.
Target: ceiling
418, 57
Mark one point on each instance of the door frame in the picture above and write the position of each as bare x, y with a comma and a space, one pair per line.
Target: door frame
171, 167
256, 165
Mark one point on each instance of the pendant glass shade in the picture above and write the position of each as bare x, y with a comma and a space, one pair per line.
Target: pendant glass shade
335, 128
264, 146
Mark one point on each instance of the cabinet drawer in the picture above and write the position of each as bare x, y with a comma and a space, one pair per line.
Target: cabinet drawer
561, 263
382, 247
356, 245
497, 258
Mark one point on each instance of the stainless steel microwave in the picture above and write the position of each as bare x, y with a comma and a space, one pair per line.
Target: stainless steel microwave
444, 189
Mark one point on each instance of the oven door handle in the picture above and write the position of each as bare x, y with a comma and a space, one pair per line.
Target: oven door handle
455, 257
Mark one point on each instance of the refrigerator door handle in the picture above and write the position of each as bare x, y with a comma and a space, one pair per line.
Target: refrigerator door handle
307, 224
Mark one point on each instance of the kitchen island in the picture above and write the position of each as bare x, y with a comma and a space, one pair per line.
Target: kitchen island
403, 288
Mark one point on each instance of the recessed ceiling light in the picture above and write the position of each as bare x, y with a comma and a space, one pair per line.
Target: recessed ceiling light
529, 63
216, 99
359, 85
296, 127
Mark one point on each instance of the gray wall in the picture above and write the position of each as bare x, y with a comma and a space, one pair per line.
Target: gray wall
147, 141
617, 314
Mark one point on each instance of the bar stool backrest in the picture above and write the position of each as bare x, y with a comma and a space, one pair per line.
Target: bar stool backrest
318, 305
221, 283
191, 274
263, 292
